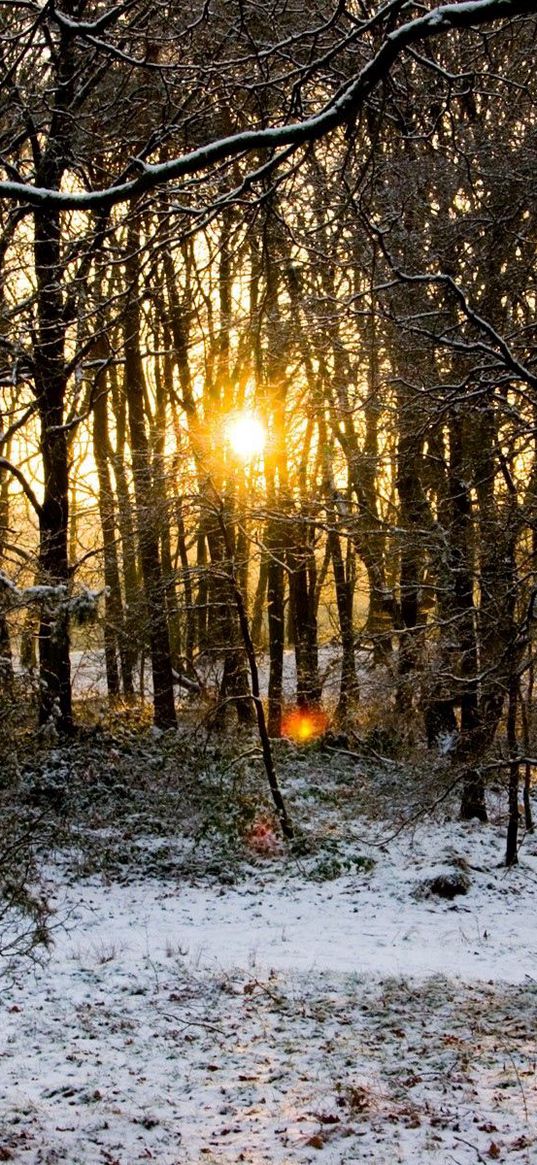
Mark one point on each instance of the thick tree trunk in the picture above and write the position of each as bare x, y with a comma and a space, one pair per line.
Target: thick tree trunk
54, 662
302, 578
55, 672
202, 596
164, 380
55, 703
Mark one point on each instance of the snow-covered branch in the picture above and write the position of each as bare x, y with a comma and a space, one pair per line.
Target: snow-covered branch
81, 607
337, 112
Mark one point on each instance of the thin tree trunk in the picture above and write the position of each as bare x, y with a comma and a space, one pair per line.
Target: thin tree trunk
259, 600
511, 853
525, 703
6, 656
148, 541
268, 760
276, 624
349, 688
114, 630
462, 585
190, 620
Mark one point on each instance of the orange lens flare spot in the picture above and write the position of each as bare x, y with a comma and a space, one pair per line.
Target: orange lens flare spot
262, 839
304, 725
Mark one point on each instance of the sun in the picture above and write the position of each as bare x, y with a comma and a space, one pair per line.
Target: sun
246, 435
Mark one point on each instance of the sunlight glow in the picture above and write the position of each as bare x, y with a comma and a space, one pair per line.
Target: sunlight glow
246, 435
303, 725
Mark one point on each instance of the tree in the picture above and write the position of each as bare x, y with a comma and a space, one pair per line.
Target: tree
319, 215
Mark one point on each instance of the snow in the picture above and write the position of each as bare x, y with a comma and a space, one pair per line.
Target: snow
346, 102
89, 676
355, 924
284, 1018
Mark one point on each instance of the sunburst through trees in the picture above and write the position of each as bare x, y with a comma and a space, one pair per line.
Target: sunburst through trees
268, 337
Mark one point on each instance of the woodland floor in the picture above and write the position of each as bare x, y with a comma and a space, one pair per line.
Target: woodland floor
213, 997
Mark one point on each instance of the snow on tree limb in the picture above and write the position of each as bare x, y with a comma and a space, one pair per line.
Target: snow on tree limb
81, 607
337, 112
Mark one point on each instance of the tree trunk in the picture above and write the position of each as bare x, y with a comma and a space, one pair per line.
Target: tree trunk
190, 619
234, 686
114, 629
148, 532
54, 665
511, 852
349, 688
6, 656
414, 516
302, 574
276, 624
259, 601
462, 586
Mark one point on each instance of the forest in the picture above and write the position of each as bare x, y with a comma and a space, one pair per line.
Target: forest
268, 443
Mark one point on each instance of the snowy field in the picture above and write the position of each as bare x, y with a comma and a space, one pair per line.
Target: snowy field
89, 675
295, 1013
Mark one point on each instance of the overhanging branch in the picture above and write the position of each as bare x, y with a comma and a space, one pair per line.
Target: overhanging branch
342, 109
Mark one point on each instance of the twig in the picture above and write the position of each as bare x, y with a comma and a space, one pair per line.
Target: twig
356, 755
378, 756
211, 1027
461, 1141
255, 751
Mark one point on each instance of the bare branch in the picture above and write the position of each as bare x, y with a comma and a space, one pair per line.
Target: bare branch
24, 484
338, 112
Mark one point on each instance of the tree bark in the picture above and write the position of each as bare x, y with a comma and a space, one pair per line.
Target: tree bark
54, 664
114, 629
148, 533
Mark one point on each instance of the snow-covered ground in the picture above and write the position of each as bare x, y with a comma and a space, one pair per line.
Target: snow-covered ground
284, 1018
89, 675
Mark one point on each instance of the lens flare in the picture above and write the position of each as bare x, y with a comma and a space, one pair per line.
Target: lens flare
246, 435
302, 724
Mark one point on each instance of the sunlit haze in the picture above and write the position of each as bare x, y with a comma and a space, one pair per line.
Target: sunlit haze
246, 435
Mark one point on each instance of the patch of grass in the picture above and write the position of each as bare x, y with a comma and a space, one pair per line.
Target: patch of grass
330, 866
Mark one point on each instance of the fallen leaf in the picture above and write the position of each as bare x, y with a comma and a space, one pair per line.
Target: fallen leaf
520, 1143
